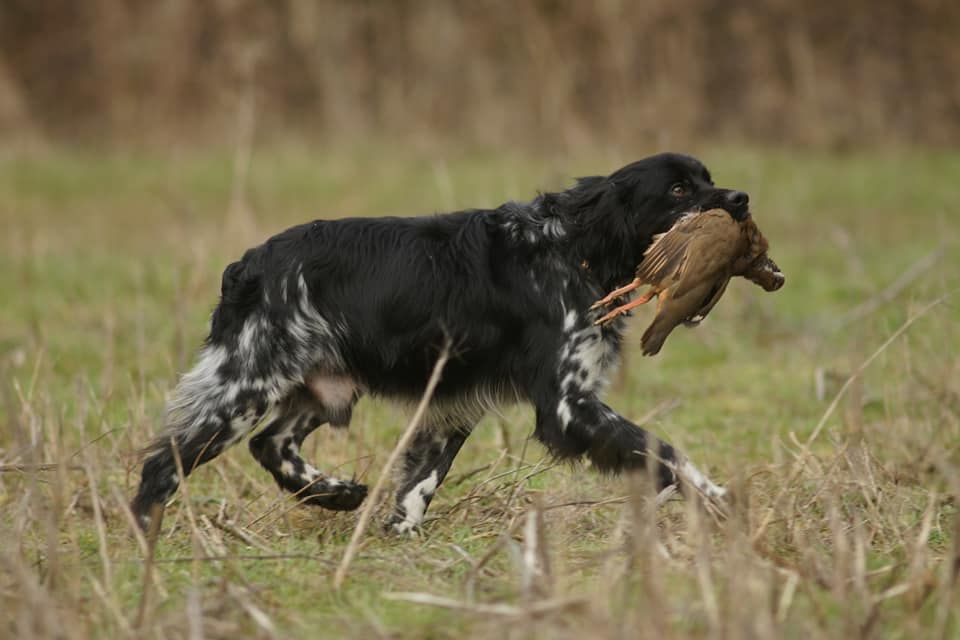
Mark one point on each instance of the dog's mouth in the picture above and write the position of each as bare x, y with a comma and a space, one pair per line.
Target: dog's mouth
738, 215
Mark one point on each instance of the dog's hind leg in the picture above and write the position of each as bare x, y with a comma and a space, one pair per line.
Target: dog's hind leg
210, 412
258, 352
277, 448
425, 464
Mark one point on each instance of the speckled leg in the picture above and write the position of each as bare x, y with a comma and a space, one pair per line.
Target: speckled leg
425, 465
277, 448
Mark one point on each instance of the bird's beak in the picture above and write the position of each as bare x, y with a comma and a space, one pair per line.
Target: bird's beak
776, 281
774, 277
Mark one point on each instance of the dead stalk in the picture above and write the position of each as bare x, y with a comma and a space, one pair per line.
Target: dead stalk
404, 442
891, 291
535, 577
505, 610
805, 452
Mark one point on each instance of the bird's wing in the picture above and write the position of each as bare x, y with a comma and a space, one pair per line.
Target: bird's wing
697, 246
665, 258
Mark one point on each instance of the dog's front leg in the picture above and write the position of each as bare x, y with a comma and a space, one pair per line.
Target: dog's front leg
573, 424
425, 465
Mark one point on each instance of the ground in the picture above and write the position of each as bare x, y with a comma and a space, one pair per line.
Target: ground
845, 517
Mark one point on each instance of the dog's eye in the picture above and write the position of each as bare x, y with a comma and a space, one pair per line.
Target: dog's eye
679, 190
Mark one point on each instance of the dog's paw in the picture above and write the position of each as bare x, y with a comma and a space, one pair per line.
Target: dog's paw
719, 501
337, 495
399, 525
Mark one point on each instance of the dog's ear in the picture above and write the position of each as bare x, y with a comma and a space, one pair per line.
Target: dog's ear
579, 199
601, 204
598, 211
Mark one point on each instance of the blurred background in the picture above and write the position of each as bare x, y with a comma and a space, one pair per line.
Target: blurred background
656, 73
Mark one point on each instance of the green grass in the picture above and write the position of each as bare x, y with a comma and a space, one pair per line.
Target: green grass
110, 264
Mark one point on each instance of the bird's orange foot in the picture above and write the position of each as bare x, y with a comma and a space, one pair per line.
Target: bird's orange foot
622, 309
616, 293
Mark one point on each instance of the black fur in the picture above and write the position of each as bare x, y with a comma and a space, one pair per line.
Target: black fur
360, 306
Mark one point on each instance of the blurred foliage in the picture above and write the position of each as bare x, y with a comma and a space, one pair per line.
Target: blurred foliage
541, 72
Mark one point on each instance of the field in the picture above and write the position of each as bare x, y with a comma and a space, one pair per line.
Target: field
832, 408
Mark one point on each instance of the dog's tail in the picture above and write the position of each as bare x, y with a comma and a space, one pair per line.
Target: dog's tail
220, 400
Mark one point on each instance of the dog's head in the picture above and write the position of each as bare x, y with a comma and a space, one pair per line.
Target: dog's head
619, 214
663, 187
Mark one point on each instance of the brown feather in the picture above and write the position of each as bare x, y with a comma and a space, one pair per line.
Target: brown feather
689, 267
699, 244
666, 257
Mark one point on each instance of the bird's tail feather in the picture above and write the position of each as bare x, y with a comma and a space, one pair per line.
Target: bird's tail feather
655, 335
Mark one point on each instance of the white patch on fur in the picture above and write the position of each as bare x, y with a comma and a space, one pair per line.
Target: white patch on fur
252, 339
248, 339
301, 329
584, 358
591, 356
554, 228
259, 384
207, 370
191, 403
584, 351
415, 504
312, 473
690, 474
287, 468
241, 426
314, 334
277, 389
564, 413
231, 392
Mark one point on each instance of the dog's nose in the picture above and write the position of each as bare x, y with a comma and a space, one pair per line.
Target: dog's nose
738, 199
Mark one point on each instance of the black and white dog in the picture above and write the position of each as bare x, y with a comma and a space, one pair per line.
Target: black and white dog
325, 312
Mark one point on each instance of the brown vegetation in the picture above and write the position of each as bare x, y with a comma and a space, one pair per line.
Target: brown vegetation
660, 72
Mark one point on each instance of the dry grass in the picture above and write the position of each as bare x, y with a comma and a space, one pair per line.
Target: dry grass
836, 424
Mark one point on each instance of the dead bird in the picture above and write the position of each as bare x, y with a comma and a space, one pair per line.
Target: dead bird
688, 268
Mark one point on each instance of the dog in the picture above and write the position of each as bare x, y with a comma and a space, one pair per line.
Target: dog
329, 311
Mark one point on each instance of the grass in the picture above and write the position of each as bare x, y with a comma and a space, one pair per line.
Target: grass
110, 265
